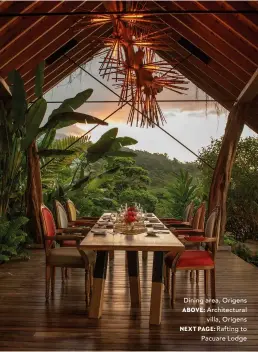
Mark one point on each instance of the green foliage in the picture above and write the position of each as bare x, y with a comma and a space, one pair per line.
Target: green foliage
242, 203
182, 192
145, 198
34, 117
110, 146
12, 237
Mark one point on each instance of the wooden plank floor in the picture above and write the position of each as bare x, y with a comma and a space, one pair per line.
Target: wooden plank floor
27, 323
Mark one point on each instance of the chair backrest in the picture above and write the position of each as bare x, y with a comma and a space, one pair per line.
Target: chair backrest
61, 216
202, 217
188, 213
212, 226
48, 225
197, 219
71, 210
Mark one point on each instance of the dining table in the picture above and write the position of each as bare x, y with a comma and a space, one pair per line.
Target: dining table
155, 237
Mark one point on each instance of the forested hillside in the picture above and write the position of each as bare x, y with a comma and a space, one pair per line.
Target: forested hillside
162, 170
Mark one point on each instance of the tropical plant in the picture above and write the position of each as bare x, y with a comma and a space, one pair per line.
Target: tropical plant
92, 169
12, 237
182, 191
242, 202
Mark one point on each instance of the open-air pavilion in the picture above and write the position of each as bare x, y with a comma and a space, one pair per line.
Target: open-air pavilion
212, 44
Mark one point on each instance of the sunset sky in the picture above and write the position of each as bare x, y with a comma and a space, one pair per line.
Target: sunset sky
191, 123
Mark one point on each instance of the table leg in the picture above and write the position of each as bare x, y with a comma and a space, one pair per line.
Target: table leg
99, 278
134, 279
157, 288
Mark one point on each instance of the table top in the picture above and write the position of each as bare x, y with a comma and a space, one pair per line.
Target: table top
140, 242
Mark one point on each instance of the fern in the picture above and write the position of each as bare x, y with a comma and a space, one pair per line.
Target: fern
11, 237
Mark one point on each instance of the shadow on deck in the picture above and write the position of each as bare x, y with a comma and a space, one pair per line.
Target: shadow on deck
26, 323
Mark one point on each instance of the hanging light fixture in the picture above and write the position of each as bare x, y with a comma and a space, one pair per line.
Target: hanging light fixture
130, 60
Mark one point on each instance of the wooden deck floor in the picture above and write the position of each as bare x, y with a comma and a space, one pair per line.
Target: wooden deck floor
26, 323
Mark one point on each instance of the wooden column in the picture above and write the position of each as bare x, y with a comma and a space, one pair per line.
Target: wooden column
222, 173
34, 197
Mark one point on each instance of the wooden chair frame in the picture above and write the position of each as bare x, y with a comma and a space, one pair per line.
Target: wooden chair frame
50, 269
211, 244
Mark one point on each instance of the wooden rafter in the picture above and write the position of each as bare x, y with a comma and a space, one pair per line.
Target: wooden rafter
196, 28
244, 31
52, 41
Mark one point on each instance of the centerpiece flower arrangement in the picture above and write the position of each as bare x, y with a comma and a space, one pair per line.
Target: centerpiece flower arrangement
130, 215
130, 220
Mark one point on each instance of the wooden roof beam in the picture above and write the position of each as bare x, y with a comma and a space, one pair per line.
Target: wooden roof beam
242, 29
209, 30
74, 53
60, 75
250, 90
27, 38
49, 43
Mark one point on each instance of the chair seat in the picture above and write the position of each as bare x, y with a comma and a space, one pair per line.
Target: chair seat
70, 257
194, 238
69, 243
197, 258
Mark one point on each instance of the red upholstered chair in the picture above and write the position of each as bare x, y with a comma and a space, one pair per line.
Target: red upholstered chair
198, 259
195, 231
64, 257
197, 223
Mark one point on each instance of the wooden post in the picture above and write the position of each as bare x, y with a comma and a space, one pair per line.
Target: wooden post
222, 173
34, 196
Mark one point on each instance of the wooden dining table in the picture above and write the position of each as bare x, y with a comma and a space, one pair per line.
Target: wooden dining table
157, 241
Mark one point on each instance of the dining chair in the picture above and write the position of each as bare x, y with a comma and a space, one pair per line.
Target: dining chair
64, 257
67, 226
198, 259
72, 215
196, 229
186, 220
89, 220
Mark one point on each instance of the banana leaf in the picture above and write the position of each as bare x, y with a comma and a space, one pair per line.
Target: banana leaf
34, 118
19, 104
65, 119
102, 146
39, 79
54, 152
71, 104
47, 139
123, 142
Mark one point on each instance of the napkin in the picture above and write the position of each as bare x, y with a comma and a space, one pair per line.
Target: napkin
158, 226
99, 232
154, 220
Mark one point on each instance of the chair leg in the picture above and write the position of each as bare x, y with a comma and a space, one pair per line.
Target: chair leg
206, 282
191, 274
53, 277
173, 289
87, 286
48, 278
111, 255
213, 284
197, 276
167, 278
144, 255
63, 274
66, 273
